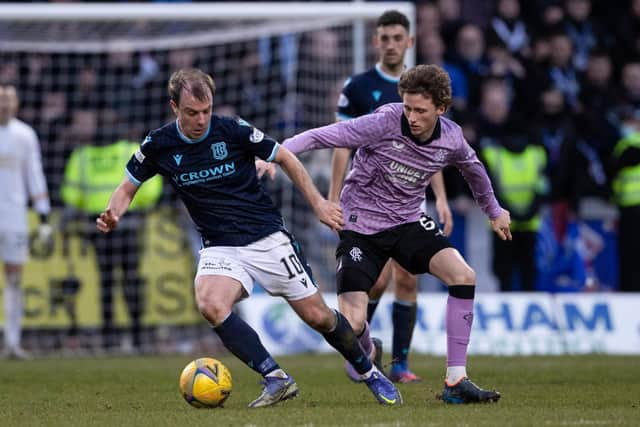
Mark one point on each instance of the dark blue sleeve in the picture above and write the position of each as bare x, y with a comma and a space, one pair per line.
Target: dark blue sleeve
256, 142
348, 102
141, 167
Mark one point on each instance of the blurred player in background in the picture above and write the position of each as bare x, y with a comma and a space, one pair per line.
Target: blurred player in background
362, 94
21, 178
399, 148
209, 160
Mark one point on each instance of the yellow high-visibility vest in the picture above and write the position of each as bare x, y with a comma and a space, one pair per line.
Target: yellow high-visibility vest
93, 173
626, 184
520, 177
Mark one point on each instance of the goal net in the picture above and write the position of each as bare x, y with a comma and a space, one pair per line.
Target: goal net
93, 74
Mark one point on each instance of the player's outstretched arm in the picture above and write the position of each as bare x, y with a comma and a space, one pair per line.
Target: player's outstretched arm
501, 225
328, 212
339, 163
442, 204
118, 205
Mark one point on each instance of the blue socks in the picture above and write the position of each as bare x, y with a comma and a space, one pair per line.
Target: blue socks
241, 340
403, 315
371, 308
343, 339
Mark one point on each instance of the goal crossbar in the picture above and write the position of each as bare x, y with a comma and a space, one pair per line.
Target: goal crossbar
196, 11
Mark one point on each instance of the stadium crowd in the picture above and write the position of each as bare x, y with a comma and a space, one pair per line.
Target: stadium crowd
556, 74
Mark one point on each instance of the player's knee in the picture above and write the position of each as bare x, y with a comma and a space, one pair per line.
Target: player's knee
406, 283
213, 310
356, 321
320, 319
378, 289
463, 276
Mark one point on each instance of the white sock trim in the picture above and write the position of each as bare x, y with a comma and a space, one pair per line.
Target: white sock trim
454, 373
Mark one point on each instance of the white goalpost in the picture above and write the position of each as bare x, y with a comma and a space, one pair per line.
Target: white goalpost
96, 73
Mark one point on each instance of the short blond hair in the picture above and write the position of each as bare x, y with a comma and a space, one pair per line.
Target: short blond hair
193, 80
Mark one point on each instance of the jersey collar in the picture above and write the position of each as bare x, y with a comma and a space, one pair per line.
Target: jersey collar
406, 131
192, 141
385, 76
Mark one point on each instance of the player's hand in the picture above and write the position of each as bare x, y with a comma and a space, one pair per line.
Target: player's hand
43, 241
444, 216
107, 221
330, 214
45, 234
501, 225
263, 167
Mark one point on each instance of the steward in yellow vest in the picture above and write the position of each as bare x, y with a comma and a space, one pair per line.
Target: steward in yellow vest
516, 168
91, 174
626, 192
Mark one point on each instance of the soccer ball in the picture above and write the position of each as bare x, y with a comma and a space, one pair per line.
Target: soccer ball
205, 383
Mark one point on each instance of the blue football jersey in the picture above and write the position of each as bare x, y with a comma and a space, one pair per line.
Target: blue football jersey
215, 176
365, 92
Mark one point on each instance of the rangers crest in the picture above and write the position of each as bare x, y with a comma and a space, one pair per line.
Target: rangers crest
356, 254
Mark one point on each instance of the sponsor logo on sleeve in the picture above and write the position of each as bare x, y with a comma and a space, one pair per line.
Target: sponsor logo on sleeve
256, 136
343, 101
139, 156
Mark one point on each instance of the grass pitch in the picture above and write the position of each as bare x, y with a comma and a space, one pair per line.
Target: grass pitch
536, 391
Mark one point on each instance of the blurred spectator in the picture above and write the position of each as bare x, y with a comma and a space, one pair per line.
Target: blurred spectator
626, 187
553, 129
428, 19
596, 96
560, 72
516, 167
51, 122
90, 174
431, 50
582, 176
9, 73
542, 15
627, 29
471, 57
450, 20
583, 31
507, 28
83, 95
494, 115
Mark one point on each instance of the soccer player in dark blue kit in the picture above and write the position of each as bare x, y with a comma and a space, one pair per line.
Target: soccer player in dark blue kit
361, 95
209, 160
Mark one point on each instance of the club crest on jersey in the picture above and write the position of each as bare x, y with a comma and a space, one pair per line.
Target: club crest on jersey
256, 136
219, 150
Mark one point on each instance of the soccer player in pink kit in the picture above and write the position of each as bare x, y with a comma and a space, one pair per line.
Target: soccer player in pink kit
400, 147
